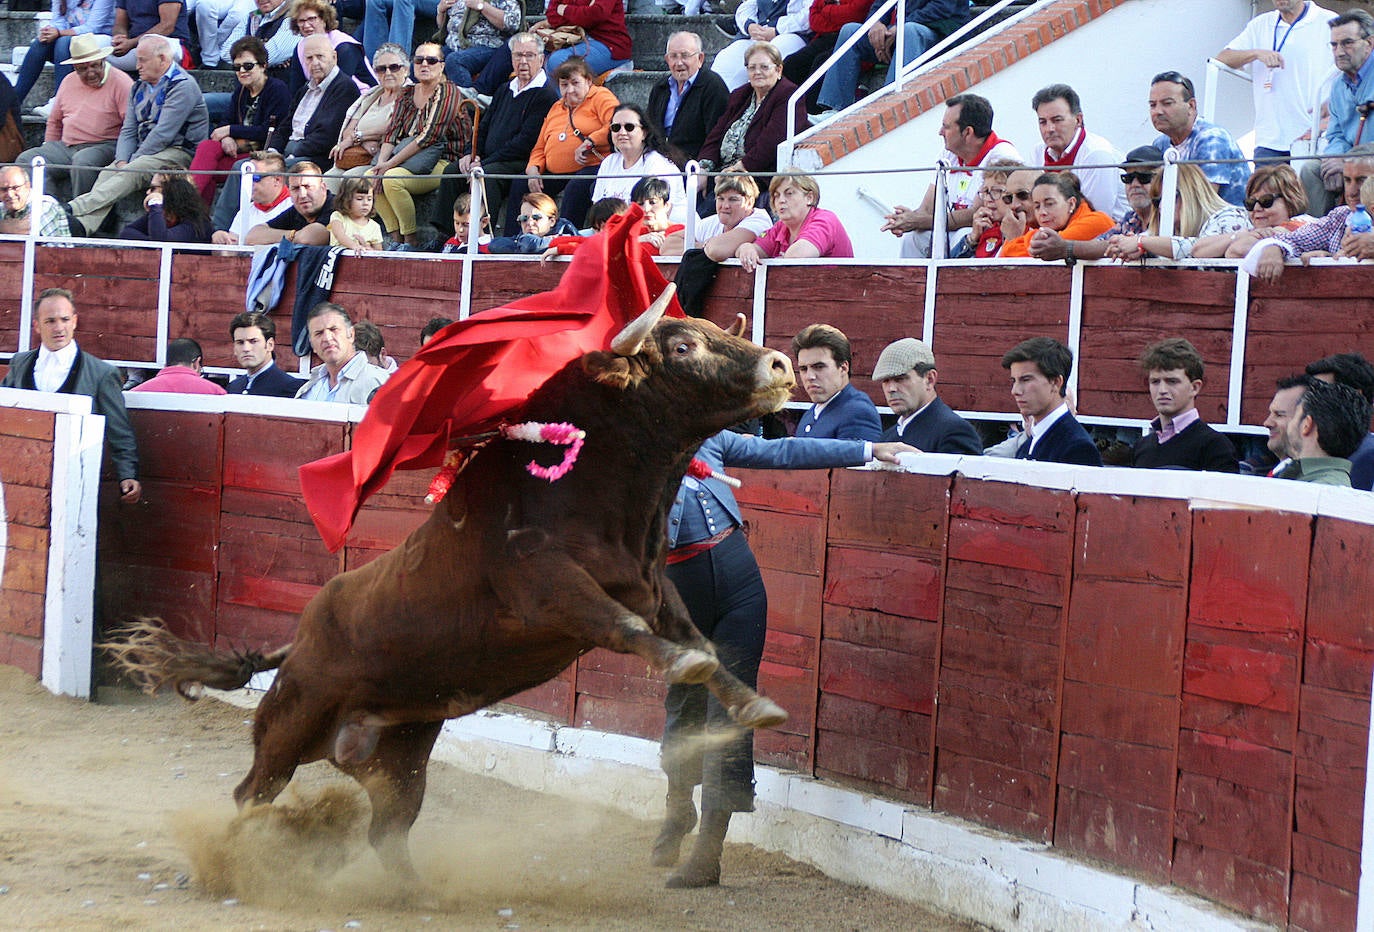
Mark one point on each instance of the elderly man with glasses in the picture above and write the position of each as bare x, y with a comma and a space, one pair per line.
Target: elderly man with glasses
165, 122
318, 112
84, 120
17, 205
1352, 38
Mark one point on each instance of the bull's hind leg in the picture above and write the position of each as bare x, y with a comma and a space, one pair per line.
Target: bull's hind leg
394, 778
288, 730
548, 585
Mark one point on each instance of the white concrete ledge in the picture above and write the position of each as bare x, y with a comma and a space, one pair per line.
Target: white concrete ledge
1005, 882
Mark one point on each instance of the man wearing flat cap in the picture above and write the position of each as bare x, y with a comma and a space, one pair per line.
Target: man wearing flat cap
906, 370
84, 120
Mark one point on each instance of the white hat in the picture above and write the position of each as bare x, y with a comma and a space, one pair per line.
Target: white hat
86, 48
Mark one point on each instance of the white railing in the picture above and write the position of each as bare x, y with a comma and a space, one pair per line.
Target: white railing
904, 72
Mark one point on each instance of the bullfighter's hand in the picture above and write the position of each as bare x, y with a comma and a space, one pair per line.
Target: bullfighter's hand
887, 452
130, 491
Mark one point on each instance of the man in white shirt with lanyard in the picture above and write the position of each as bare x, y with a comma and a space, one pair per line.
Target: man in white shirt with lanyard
1288, 56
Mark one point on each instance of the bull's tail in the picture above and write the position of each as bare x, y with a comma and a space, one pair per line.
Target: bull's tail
153, 657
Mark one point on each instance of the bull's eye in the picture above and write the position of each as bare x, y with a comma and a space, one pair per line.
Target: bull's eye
682, 348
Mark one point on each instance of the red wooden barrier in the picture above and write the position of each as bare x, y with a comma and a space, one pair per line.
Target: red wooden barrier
26, 455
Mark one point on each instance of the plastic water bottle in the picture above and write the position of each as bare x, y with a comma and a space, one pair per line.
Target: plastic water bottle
1359, 221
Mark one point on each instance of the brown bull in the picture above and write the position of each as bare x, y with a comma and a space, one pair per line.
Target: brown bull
508, 582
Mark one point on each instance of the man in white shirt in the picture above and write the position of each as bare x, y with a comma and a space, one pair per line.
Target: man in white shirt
59, 365
269, 199
1066, 143
1288, 56
345, 375
970, 142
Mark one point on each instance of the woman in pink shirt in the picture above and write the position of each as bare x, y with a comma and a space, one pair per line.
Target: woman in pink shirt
803, 230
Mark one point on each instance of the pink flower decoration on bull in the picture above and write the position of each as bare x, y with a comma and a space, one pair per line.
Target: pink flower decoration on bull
564, 435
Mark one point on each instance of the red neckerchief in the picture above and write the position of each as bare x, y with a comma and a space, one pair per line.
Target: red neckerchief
280, 197
988, 145
1070, 153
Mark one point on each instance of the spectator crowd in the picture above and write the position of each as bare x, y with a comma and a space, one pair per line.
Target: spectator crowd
357, 141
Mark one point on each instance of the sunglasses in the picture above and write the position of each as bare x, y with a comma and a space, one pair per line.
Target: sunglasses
245, 66
1266, 202
426, 60
1142, 177
624, 127
525, 218
1018, 196
388, 69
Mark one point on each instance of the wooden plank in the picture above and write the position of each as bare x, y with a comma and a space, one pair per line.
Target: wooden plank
1318, 906
498, 283
884, 678
1128, 835
264, 454
22, 652
1333, 617
250, 627
794, 602
878, 768
1123, 715
1262, 672
793, 543
1252, 766
552, 699
1236, 720
1118, 771
878, 629
993, 795
1224, 816
21, 613
1126, 634
26, 461
1133, 538
183, 600
1259, 587
793, 688
143, 535
1001, 740
207, 290
843, 715
29, 506
863, 502
880, 580
625, 718
22, 422
178, 445
26, 571
1258, 890
791, 491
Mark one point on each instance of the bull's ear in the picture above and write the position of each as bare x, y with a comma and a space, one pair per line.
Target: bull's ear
608, 369
739, 326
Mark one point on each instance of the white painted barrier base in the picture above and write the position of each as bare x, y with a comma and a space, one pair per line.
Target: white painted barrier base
938, 861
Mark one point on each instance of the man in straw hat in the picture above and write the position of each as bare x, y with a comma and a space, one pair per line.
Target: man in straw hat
84, 120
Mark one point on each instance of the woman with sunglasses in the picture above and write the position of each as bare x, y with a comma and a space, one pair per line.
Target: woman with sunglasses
1277, 202
1061, 208
367, 119
539, 224
639, 146
571, 142
259, 103
428, 129
1201, 218
315, 18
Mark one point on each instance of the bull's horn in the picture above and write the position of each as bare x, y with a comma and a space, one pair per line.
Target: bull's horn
630, 341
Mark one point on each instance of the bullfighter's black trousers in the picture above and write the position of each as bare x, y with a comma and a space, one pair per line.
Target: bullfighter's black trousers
726, 599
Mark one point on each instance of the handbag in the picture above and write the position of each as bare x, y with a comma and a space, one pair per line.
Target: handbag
353, 157
422, 162
558, 37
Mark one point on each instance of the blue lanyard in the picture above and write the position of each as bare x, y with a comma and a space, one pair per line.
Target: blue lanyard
1278, 46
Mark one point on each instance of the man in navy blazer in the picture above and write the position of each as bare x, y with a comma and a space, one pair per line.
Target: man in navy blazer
1040, 370
906, 370
323, 103
254, 338
839, 410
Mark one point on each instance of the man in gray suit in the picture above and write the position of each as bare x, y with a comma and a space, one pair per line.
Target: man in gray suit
59, 365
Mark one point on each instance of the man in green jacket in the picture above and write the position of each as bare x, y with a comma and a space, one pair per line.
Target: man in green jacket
1326, 427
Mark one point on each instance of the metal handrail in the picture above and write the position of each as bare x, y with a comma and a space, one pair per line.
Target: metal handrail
904, 72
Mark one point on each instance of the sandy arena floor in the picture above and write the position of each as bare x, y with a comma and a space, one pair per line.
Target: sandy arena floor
117, 815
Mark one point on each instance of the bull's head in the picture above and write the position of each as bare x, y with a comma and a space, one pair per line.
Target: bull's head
692, 367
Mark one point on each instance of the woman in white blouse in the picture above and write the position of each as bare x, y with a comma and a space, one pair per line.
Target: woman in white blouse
639, 146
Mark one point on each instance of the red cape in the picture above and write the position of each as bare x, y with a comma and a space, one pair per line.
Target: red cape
475, 371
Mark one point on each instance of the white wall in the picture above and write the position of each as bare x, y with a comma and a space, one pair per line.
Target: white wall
1109, 62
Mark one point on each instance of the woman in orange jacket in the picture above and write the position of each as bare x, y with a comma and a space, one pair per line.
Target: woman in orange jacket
1060, 206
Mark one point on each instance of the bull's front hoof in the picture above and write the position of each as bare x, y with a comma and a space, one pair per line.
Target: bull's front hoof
760, 712
692, 666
